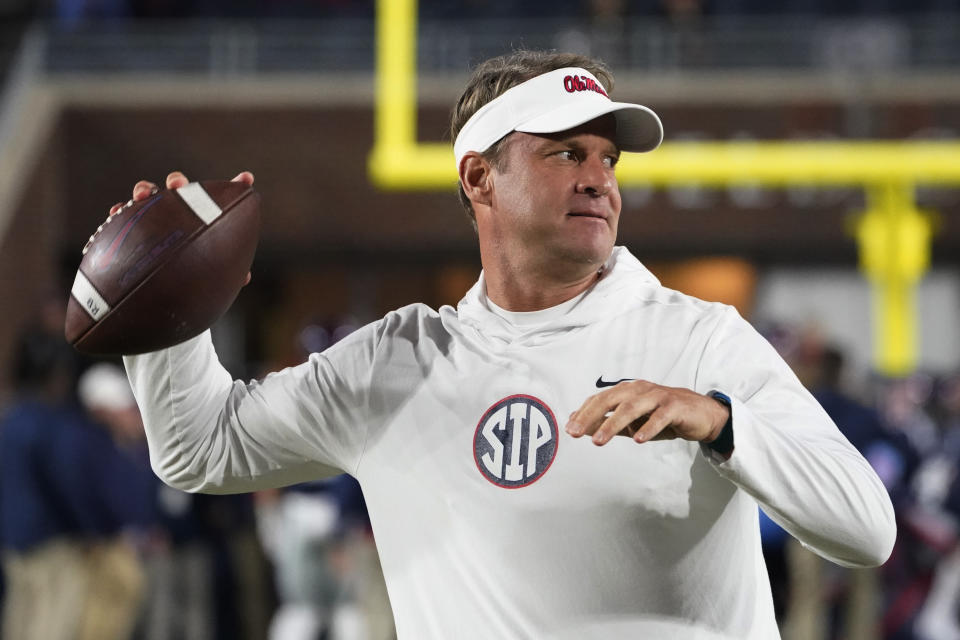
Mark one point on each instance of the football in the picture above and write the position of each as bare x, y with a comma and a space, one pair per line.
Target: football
164, 269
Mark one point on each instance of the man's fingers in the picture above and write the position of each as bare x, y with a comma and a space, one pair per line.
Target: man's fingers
143, 189
632, 428
625, 415
588, 418
176, 179
655, 428
245, 177
646, 411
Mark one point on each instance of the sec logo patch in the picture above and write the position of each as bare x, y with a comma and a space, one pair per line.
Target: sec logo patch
515, 441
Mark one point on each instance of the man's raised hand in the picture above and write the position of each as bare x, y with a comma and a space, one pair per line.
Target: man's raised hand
175, 179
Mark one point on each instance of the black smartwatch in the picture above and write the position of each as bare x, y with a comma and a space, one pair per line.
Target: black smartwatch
724, 442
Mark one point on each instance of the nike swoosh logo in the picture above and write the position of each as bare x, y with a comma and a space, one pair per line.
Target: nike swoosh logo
606, 383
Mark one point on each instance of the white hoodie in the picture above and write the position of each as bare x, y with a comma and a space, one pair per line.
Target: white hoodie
490, 521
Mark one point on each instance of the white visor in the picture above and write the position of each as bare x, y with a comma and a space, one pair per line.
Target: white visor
556, 101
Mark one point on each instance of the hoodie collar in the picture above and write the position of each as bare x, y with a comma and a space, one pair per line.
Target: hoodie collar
622, 277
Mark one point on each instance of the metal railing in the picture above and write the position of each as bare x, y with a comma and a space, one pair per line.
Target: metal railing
451, 46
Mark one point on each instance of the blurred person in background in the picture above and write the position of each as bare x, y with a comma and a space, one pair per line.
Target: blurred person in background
327, 573
939, 618
821, 600
904, 404
159, 561
72, 497
153, 567
317, 535
41, 518
925, 594
855, 596
208, 577
178, 561
927, 530
888, 450
120, 501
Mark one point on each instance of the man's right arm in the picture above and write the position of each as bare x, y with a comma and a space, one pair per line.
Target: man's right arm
208, 432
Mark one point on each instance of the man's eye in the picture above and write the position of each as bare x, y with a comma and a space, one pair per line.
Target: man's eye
611, 161
567, 155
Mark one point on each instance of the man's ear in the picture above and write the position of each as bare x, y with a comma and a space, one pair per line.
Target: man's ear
476, 178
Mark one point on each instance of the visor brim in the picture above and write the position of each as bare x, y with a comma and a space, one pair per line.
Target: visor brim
638, 127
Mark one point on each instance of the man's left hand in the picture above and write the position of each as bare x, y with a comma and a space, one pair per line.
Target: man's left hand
647, 411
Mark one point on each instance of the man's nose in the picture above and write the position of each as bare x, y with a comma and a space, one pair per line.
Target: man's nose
596, 178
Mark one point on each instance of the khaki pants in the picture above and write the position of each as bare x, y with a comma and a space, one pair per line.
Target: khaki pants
807, 609
46, 590
116, 584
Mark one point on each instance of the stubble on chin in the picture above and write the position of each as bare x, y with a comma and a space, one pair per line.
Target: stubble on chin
582, 259
592, 250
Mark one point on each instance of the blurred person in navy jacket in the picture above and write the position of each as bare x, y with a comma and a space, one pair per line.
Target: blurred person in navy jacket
67, 495
932, 565
117, 488
887, 450
40, 521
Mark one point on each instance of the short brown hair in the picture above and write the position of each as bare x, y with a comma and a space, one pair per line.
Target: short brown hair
494, 76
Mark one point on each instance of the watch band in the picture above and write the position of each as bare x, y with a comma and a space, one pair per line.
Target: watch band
724, 442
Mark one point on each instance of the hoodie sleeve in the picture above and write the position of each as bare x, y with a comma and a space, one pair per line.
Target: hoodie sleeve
790, 456
210, 433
